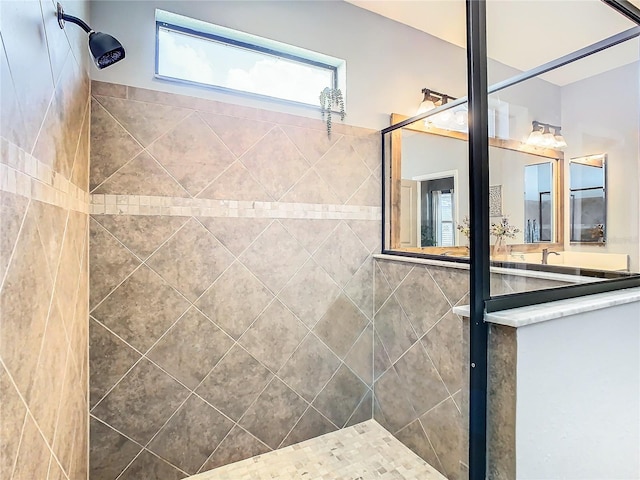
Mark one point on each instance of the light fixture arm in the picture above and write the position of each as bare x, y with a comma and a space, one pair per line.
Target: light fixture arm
63, 17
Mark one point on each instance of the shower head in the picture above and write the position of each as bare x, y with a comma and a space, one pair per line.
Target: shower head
104, 48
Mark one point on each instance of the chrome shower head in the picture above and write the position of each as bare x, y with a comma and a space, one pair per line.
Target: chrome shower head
104, 48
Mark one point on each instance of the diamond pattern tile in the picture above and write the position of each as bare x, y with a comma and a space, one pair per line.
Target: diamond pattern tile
142, 234
145, 122
191, 435
109, 359
142, 402
453, 283
369, 193
368, 148
235, 233
394, 329
341, 326
12, 416
274, 257
342, 169
360, 355
311, 189
235, 300
341, 396
238, 134
51, 226
443, 343
310, 233
422, 300
360, 288
237, 445
423, 384
192, 139
310, 293
191, 348
312, 424
285, 407
313, 144
147, 465
381, 288
368, 231
442, 426
275, 162
191, 260
395, 272
236, 183
235, 383
391, 397
110, 452
12, 211
109, 262
111, 145
413, 436
274, 336
142, 176
24, 316
341, 255
309, 368
141, 309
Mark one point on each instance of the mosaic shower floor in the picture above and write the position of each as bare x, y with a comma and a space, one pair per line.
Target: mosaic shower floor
362, 452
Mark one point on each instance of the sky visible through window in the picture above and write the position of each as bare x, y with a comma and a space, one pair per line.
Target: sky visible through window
201, 60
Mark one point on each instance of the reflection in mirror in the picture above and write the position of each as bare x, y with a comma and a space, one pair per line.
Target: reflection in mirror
588, 200
429, 192
538, 203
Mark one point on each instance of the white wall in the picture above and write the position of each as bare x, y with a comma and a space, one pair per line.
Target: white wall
601, 114
578, 397
388, 63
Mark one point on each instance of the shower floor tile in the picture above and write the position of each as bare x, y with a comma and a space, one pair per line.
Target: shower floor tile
362, 452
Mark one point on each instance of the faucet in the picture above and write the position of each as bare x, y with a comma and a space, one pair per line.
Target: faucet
545, 255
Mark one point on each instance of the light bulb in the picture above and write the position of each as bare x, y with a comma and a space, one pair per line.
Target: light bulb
425, 106
445, 117
461, 118
548, 140
535, 138
560, 142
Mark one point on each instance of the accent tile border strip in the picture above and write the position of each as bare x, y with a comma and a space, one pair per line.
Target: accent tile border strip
104, 204
24, 175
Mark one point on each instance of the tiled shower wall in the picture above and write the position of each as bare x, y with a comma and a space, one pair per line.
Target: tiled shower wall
231, 281
420, 346
418, 366
44, 166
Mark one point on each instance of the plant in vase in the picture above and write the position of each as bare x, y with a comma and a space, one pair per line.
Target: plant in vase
501, 230
330, 98
465, 229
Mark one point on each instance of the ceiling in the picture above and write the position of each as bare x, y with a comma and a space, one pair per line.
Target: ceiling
524, 33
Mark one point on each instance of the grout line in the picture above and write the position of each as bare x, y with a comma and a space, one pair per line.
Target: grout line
236, 158
15, 245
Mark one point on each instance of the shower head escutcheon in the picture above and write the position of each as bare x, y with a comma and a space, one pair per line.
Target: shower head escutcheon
104, 48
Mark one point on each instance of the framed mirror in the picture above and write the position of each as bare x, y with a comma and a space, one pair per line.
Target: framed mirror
539, 199
588, 199
428, 196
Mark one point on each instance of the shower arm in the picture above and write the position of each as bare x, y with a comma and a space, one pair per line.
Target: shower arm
63, 17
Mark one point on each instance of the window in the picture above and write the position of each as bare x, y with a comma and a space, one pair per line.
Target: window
197, 52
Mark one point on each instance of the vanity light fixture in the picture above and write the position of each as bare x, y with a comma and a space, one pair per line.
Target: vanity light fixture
431, 100
541, 136
104, 48
449, 119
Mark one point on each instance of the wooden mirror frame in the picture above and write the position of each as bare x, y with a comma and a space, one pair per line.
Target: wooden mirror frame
396, 179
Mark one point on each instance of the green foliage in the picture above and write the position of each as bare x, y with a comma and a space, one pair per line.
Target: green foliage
427, 238
330, 98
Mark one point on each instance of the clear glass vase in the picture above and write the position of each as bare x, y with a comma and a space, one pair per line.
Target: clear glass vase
500, 249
